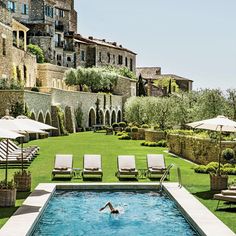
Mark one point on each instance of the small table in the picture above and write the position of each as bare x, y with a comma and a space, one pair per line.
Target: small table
142, 173
77, 173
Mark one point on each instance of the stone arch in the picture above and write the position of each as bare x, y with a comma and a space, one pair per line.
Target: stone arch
54, 84
32, 116
48, 119
119, 116
40, 117
92, 117
113, 117
107, 118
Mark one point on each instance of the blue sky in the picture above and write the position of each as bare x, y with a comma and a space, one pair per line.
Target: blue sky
193, 39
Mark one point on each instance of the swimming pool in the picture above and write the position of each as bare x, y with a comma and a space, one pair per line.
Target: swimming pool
141, 213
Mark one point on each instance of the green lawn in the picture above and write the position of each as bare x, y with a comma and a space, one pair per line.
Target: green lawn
109, 147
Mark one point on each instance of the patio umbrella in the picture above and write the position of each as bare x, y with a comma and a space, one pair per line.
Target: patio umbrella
219, 124
10, 123
24, 120
6, 134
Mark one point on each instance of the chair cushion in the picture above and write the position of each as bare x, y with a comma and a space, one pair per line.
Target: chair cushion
91, 168
128, 169
60, 168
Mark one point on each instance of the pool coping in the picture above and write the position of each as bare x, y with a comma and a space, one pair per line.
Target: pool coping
203, 220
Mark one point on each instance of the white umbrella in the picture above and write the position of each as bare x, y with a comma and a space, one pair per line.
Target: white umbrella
220, 123
24, 120
10, 123
6, 134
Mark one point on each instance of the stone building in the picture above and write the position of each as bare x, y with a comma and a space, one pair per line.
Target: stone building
152, 74
99, 52
16, 62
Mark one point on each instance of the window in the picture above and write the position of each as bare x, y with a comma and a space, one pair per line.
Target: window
100, 57
82, 56
11, 6
59, 57
108, 57
4, 53
68, 58
24, 9
49, 11
114, 59
131, 64
120, 60
61, 13
126, 61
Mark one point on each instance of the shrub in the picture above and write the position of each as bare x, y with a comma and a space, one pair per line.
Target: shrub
145, 126
134, 129
124, 137
115, 125
122, 124
228, 165
37, 51
162, 143
35, 89
120, 133
228, 154
229, 171
200, 169
128, 129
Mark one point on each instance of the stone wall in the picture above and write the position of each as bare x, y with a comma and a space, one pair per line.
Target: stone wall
38, 103
9, 98
200, 151
154, 136
51, 76
125, 87
6, 56
26, 65
108, 103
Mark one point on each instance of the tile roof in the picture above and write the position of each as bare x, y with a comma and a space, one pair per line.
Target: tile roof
103, 42
175, 77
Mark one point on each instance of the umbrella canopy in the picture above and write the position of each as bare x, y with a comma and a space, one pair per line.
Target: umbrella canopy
10, 123
220, 123
6, 134
24, 120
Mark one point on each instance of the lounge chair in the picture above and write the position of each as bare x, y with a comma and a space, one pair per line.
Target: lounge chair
92, 166
225, 195
63, 166
156, 165
126, 166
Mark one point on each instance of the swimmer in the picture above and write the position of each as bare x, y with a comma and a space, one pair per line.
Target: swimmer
112, 209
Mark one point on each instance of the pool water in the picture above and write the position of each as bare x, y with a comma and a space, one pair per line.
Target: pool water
141, 213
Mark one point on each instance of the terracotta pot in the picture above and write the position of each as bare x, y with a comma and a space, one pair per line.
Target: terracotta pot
23, 182
7, 197
218, 182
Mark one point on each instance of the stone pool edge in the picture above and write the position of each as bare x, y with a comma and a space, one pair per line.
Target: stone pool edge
24, 219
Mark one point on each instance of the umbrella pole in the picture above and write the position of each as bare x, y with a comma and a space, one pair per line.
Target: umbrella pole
220, 151
22, 155
6, 163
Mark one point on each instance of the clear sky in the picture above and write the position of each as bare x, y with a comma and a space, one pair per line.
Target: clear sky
195, 39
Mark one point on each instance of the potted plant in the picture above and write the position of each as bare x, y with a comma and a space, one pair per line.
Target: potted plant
7, 193
218, 178
23, 181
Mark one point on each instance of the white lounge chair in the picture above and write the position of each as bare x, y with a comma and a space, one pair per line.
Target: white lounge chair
63, 166
156, 165
228, 195
92, 166
126, 166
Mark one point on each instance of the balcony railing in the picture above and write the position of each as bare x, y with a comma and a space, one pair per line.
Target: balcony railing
59, 44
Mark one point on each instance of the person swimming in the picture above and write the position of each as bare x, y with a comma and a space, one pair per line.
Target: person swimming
112, 209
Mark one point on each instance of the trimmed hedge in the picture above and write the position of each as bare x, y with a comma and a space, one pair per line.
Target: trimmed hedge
161, 143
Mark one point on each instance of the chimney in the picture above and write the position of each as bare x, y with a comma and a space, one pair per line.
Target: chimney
104, 40
90, 37
114, 43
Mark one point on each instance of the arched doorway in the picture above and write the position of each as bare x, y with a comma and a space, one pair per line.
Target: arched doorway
113, 117
92, 118
107, 118
48, 122
119, 116
40, 117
